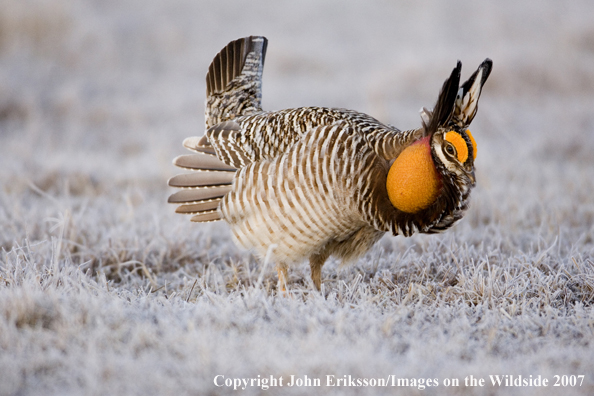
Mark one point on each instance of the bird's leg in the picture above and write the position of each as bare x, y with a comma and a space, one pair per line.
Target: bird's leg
281, 268
316, 261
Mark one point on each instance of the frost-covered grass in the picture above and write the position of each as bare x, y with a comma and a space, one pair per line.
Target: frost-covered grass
104, 290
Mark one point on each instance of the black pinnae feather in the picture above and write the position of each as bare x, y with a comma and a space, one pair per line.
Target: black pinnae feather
486, 67
445, 102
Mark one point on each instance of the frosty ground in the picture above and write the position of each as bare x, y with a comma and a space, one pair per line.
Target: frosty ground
104, 290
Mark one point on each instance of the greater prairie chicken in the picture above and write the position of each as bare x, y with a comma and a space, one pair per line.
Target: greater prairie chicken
313, 182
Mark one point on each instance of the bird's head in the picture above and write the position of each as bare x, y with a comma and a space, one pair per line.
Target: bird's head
444, 157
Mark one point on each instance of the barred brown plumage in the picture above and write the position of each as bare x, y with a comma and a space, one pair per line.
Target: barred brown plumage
313, 182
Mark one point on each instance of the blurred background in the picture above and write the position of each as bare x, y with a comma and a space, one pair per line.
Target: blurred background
97, 96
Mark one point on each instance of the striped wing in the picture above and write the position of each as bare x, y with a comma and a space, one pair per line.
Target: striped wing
267, 135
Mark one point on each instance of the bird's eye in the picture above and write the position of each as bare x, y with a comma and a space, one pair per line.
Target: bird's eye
450, 149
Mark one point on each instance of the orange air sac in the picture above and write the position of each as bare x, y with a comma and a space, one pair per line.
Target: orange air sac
413, 182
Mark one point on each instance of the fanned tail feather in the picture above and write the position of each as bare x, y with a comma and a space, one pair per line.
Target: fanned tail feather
199, 145
202, 161
233, 89
201, 191
234, 80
